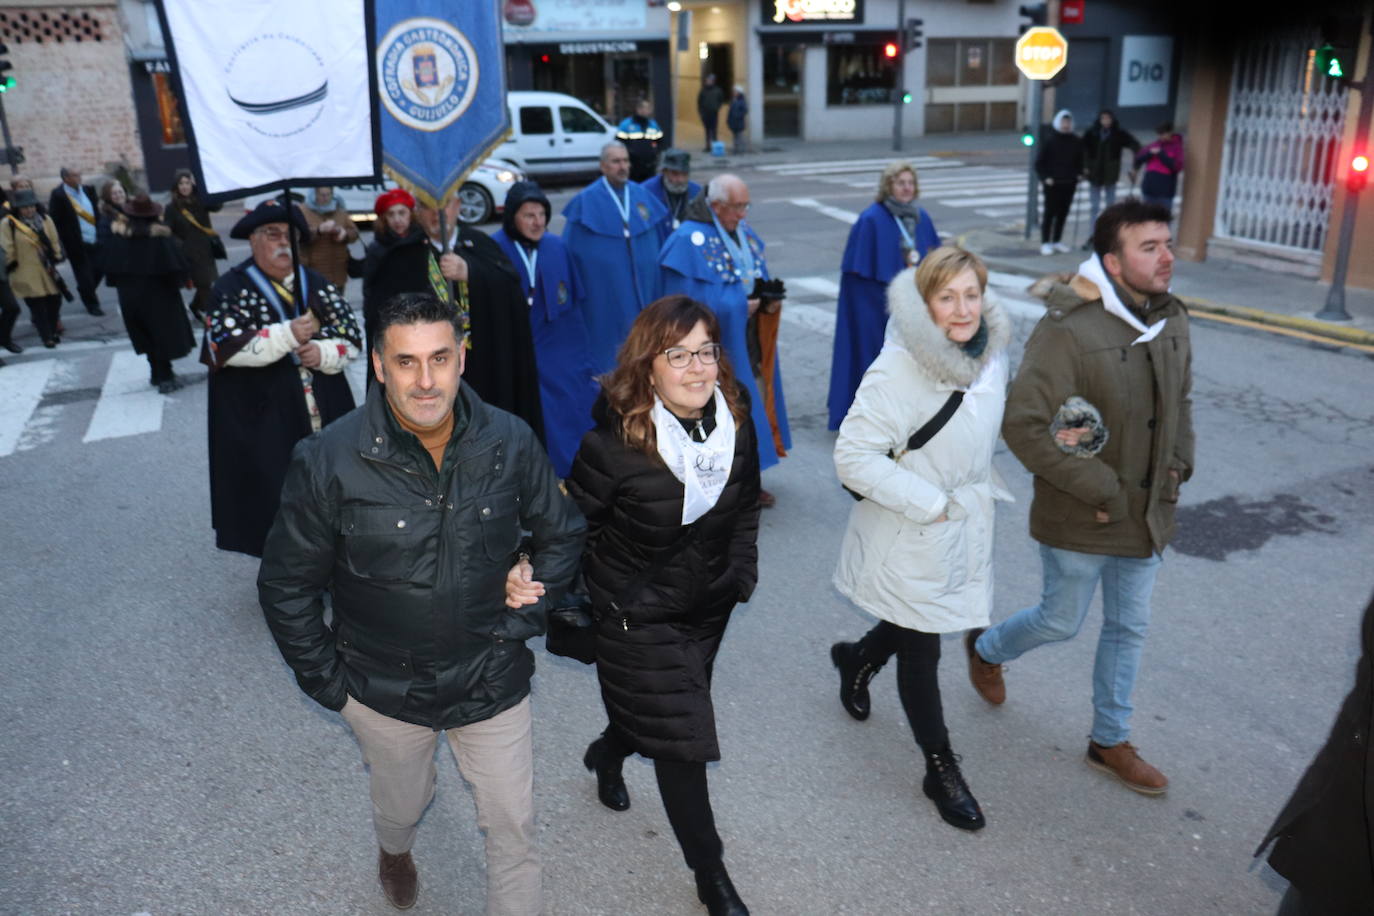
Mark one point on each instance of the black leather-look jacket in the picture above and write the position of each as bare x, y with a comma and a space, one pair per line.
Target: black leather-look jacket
416, 573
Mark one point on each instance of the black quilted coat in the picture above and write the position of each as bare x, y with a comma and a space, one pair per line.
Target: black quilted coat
654, 659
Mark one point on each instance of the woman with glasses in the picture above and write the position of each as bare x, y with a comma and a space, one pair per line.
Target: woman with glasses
669, 482
917, 554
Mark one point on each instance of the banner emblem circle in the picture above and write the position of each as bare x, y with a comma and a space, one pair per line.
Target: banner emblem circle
428, 73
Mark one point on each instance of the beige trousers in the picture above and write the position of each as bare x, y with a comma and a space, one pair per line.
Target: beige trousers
495, 756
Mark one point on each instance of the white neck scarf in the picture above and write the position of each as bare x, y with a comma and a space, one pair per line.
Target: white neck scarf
1091, 269
701, 467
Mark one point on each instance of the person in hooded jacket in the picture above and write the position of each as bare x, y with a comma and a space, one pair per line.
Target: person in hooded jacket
669, 482
918, 550
1103, 142
554, 295
1162, 161
1058, 166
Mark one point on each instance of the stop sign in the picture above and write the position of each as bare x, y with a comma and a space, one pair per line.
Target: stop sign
1041, 52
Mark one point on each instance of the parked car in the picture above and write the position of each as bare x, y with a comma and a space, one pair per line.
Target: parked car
481, 198
553, 133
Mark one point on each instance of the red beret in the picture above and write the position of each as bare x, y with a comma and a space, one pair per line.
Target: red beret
393, 197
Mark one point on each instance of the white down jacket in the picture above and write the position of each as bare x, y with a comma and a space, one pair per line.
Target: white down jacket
897, 562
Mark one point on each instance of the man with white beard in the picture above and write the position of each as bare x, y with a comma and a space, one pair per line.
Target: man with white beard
674, 188
276, 345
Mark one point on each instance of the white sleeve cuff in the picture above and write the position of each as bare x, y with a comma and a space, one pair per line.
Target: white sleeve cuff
265, 349
335, 353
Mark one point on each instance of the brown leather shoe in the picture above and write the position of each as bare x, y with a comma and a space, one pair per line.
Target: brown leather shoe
1123, 762
399, 881
985, 676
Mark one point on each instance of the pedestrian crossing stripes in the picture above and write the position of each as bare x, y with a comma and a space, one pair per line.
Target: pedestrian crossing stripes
127, 405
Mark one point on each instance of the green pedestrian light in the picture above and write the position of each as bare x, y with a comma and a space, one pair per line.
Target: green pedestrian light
1027, 138
906, 98
7, 84
1328, 62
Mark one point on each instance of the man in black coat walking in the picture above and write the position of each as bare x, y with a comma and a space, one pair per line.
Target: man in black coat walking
72, 207
410, 511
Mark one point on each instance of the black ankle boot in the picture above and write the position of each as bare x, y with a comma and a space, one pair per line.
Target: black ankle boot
610, 786
855, 673
945, 786
715, 890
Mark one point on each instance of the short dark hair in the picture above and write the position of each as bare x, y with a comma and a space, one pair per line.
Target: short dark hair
1129, 212
414, 308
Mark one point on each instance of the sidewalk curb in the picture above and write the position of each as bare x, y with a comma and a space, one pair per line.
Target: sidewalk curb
1292, 325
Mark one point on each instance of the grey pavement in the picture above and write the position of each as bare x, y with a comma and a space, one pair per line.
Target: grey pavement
159, 758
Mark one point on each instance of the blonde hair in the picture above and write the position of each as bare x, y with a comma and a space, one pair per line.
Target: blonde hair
890, 174
943, 265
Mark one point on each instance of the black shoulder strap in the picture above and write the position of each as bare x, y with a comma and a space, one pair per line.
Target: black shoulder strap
935, 423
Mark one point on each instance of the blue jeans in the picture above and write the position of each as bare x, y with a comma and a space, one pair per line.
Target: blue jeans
1070, 579
1095, 194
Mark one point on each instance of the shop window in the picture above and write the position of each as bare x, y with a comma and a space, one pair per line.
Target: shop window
941, 62
537, 120
859, 75
169, 114
1003, 71
971, 62
577, 121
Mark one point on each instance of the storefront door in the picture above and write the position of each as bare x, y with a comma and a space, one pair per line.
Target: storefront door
782, 83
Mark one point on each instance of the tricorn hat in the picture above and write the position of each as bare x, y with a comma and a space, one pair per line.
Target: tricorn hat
679, 160
24, 198
141, 206
270, 211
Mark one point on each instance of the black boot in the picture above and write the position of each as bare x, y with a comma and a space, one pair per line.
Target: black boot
855, 673
715, 890
945, 786
610, 785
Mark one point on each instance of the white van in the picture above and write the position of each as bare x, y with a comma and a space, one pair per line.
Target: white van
553, 133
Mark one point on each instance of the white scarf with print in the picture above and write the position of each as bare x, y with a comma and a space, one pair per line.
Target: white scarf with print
701, 467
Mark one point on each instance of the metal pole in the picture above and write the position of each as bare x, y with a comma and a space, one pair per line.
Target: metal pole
1335, 297
901, 76
1033, 182
9, 144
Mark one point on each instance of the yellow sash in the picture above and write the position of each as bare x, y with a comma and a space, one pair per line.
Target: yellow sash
195, 222
81, 211
27, 230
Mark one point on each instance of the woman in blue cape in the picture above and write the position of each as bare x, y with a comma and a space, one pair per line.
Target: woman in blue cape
701, 260
891, 235
549, 282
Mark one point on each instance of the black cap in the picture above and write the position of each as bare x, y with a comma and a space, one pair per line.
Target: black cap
269, 211
679, 160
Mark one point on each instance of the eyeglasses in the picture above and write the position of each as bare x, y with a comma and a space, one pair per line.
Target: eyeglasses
738, 208
681, 357
273, 234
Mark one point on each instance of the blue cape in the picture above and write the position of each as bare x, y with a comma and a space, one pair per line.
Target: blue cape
621, 275
872, 257
655, 187
567, 386
696, 263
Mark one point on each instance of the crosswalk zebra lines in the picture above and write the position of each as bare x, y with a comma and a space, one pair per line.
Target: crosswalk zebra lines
993, 192
39, 399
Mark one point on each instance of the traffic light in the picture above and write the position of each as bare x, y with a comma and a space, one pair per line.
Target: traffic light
1329, 62
890, 50
1336, 55
6, 81
1027, 137
906, 98
914, 33
1359, 174
1035, 13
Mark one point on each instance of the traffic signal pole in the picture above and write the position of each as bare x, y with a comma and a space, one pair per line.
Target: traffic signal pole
9, 144
1037, 101
1335, 297
900, 94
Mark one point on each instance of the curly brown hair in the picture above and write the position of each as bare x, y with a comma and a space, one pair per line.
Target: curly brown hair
628, 388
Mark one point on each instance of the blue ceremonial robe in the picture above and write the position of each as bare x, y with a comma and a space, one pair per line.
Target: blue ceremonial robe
620, 274
655, 187
872, 257
696, 263
562, 353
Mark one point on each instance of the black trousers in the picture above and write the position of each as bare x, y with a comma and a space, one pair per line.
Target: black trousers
88, 275
43, 312
710, 122
159, 370
918, 682
9, 312
1058, 200
686, 801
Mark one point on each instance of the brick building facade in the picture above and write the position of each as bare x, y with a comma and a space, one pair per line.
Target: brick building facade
73, 102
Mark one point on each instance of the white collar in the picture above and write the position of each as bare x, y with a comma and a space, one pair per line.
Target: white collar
1091, 270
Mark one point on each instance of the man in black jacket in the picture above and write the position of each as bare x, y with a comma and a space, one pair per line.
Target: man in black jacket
73, 208
410, 511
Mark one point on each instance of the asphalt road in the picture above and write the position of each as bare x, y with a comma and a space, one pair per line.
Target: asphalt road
160, 760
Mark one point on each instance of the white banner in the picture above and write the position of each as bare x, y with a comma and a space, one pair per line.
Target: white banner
1146, 62
573, 16
274, 92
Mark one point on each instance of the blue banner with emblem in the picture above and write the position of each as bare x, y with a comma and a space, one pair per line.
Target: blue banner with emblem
441, 76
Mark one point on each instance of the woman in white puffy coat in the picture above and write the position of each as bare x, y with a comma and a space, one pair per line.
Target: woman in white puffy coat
918, 550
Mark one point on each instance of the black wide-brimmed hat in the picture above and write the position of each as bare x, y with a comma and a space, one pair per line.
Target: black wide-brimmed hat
270, 211
141, 206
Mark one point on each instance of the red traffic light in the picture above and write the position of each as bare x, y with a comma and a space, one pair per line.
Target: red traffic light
1358, 177
1359, 164
890, 49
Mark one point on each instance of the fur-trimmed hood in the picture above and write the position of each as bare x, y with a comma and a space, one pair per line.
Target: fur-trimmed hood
939, 357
